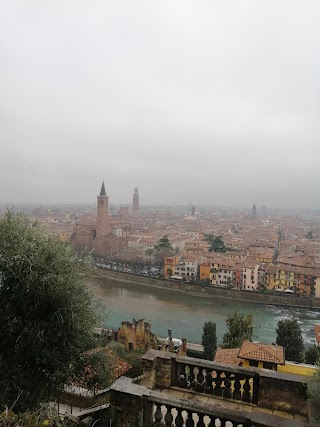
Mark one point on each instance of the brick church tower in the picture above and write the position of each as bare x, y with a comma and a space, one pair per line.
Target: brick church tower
135, 202
102, 213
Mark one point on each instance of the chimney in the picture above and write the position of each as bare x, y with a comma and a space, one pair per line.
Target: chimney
184, 347
170, 340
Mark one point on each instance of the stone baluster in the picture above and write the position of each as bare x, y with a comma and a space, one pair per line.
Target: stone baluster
200, 382
179, 419
158, 417
223, 422
218, 381
168, 418
192, 377
236, 389
201, 422
246, 396
226, 393
182, 376
190, 421
208, 388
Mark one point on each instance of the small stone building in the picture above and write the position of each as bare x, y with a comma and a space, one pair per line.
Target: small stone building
137, 335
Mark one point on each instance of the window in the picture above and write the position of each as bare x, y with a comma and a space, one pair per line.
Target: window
267, 365
253, 363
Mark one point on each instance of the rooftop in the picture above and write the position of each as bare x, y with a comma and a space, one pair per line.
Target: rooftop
262, 352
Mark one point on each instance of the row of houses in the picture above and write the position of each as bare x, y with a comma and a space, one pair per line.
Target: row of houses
248, 273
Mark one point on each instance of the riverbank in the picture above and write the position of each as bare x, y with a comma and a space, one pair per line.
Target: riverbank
210, 292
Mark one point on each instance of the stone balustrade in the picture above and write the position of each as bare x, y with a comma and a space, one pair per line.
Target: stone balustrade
266, 388
226, 381
180, 391
169, 411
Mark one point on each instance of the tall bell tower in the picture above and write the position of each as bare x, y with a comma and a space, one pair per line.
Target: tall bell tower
102, 213
254, 211
135, 202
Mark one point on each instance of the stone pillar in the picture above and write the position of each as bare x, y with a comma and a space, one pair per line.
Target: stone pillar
127, 401
183, 351
170, 340
158, 369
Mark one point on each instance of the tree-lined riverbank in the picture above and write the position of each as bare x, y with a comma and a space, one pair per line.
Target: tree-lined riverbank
210, 291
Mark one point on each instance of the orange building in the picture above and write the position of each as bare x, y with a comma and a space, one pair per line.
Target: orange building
205, 271
169, 264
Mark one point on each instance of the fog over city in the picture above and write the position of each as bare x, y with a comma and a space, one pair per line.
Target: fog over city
216, 102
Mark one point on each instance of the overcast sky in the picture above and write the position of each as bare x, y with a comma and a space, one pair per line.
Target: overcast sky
216, 102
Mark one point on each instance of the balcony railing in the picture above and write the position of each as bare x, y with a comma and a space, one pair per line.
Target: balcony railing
169, 411
204, 377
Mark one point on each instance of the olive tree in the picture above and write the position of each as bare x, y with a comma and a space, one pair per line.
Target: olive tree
46, 316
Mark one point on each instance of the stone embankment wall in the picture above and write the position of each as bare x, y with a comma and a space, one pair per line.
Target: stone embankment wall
210, 292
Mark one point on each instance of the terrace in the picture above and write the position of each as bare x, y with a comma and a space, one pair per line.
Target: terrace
182, 391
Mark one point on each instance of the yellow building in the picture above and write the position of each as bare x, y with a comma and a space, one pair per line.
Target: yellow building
297, 368
266, 259
317, 287
271, 357
214, 273
286, 278
272, 278
261, 355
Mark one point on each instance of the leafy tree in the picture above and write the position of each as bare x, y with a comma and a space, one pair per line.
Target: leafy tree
289, 336
163, 243
209, 340
92, 371
162, 250
41, 418
46, 317
309, 235
217, 244
240, 329
312, 355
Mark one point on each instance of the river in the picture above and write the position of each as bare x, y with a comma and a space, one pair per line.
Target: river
185, 314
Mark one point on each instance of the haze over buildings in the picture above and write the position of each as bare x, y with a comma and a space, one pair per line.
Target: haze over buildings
214, 102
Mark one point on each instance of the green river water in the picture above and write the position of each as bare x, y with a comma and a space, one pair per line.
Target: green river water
185, 314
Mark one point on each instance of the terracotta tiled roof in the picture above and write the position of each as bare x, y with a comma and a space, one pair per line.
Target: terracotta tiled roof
262, 352
317, 333
228, 356
116, 364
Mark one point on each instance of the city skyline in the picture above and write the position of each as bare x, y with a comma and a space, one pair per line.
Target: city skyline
216, 103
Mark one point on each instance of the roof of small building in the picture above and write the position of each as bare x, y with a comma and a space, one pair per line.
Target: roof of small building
228, 356
262, 352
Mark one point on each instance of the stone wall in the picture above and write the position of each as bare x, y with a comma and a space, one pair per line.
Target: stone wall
247, 296
283, 392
